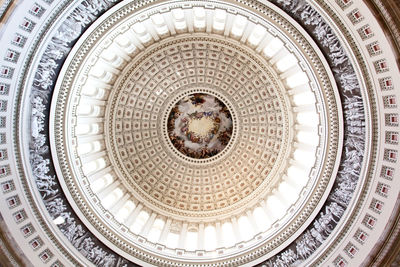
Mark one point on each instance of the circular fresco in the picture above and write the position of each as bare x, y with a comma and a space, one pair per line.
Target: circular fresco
200, 126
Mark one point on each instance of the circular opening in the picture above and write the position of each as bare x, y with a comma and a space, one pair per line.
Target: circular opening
200, 126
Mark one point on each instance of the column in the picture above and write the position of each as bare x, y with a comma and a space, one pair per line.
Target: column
99, 174
291, 71
281, 197
279, 55
298, 164
218, 231
200, 237
132, 217
165, 231
146, 228
306, 128
302, 88
247, 31
268, 213
108, 189
304, 108
236, 229
182, 236
228, 24
252, 221
303, 146
119, 204
264, 42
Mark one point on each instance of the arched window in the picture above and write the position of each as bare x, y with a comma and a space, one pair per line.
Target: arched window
126, 209
228, 236
273, 47
210, 238
191, 240
172, 240
261, 218
155, 230
245, 228
139, 222
219, 20
111, 198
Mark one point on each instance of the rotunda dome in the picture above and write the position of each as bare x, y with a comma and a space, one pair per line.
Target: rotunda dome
206, 133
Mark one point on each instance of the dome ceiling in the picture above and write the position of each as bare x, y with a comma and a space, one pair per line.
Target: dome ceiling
199, 133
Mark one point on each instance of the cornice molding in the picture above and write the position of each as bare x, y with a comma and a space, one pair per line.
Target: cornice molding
387, 12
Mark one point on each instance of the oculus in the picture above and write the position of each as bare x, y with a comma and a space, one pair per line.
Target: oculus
200, 126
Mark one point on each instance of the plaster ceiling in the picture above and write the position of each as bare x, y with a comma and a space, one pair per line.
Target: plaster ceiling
198, 133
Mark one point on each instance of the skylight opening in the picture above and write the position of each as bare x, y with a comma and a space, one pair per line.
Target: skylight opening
172, 240
156, 230
228, 236
84, 110
122, 40
304, 98
273, 47
89, 89
307, 118
141, 32
245, 228
238, 26
310, 138
179, 19
93, 166
298, 176
210, 238
191, 240
116, 62
97, 185
276, 206
85, 148
289, 191
83, 129
109, 200
108, 55
305, 157
94, 129
101, 183
199, 20
118, 192
219, 20
108, 178
159, 23
286, 63
101, 163
139, 28
96, 146
99, 71
297, 79
257, 35
139, 222
122, 215
158, 19
261, 218
125, 43
124, 212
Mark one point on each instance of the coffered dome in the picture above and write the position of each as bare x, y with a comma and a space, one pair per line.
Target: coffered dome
200, 133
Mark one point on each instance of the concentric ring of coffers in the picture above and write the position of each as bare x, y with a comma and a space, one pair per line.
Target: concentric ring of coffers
141, 141
131, 218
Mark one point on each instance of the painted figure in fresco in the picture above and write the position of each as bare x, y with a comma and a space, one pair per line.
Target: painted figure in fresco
213, 128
